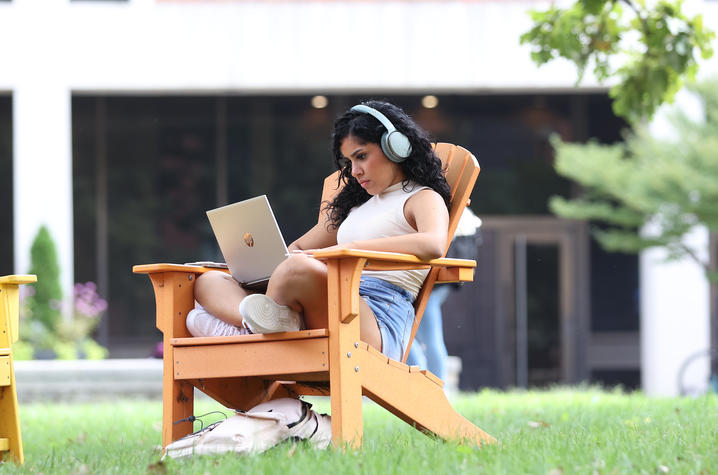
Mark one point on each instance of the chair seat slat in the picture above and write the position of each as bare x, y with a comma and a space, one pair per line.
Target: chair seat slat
226, 340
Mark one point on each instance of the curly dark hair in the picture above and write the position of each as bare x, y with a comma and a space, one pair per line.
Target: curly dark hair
422, 166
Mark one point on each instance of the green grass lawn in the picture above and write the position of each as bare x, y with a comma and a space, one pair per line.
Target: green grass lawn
557, 431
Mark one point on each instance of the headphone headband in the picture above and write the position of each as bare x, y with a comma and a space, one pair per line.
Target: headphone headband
394, 144
378, 115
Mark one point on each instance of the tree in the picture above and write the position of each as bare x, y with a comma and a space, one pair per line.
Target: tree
649, 47
670, 184
45, 304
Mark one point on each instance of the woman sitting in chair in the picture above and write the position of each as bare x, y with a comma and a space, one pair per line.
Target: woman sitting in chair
395, 199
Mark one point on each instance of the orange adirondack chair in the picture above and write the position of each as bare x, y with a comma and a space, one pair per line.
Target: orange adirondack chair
10, 437
242, 371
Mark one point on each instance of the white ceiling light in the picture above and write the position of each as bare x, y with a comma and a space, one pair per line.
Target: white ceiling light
319, 102
429, 101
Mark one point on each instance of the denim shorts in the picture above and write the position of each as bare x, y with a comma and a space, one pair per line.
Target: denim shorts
394, 311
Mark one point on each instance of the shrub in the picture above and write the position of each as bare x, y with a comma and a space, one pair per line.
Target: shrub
43, 328
44, 305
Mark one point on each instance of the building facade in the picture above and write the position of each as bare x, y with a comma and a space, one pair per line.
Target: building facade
123, 121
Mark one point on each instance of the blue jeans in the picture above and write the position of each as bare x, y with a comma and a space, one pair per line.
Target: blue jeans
428, 350
394, 311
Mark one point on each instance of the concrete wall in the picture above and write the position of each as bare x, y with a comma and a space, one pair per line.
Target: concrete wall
60, 48
56, 48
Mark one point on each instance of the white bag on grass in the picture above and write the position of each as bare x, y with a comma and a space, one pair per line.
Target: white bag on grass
257, 430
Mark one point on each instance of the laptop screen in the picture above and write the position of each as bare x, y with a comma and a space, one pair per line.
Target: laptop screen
249, 238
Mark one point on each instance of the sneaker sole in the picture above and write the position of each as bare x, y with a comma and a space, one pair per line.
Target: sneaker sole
262, 315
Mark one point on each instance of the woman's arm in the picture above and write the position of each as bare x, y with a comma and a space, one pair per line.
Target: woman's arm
318, 237
425, 212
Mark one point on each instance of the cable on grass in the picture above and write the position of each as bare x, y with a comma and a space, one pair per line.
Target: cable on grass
193, 418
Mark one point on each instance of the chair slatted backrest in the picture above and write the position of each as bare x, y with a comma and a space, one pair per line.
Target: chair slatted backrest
461, 171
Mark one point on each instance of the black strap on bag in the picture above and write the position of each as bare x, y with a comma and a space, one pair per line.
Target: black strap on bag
305, 410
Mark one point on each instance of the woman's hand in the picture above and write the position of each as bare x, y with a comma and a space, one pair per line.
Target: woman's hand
310, 252
301, 252
348, 245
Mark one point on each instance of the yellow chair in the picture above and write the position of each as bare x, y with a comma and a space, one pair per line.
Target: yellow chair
242, 371
10, 438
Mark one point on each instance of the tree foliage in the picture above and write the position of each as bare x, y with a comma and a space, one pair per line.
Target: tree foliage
650, 191
650, 49
45, 304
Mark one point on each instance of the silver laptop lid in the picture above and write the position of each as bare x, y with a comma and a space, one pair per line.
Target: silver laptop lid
249, 238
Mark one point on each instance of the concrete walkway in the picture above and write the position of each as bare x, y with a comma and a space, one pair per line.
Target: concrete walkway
88, 380
93, 380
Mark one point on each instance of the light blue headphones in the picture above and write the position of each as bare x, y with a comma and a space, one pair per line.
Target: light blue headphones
394, 144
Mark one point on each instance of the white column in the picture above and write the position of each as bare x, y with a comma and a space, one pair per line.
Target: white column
675, 318
42, 170
675, 295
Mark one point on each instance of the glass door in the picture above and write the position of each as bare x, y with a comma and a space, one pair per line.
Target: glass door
543, 272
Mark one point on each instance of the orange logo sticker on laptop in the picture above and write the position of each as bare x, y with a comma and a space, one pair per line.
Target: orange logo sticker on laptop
248, 239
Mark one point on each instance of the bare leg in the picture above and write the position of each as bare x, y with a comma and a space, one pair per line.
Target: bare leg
220, 295
300, 282
368, 327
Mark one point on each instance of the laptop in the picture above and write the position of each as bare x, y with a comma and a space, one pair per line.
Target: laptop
250, 240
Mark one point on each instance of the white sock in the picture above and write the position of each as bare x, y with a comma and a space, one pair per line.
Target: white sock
202, 323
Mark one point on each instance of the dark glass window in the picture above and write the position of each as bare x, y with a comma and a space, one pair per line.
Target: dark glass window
615, 289
6, 186
147, 168
627, 379
143, 177
543, 327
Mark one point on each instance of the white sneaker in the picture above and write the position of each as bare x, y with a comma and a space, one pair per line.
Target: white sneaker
201, 323
261, 314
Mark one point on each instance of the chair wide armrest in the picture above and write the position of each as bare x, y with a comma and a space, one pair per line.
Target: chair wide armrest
455, 274
377, 260
18, 279
392, 257
164, 267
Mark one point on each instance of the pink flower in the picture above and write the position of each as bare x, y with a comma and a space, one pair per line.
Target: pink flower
88, 304
26, 291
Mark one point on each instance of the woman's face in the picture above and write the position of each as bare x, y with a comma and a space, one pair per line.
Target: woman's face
374, 172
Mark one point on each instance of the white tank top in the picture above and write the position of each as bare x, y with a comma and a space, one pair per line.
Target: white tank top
383, 216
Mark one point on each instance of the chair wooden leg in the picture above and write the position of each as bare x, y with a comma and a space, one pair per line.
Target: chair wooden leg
10, 437
177, 405
345, 363
174, 297
417, 399
346, 406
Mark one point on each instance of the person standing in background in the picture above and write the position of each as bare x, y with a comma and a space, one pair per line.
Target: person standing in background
429, 350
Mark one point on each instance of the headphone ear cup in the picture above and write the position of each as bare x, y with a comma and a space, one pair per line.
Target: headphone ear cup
387, 150
396, 146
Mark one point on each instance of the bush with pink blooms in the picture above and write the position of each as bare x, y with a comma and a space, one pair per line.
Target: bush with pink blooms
71, 336
49, 326
75, 333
